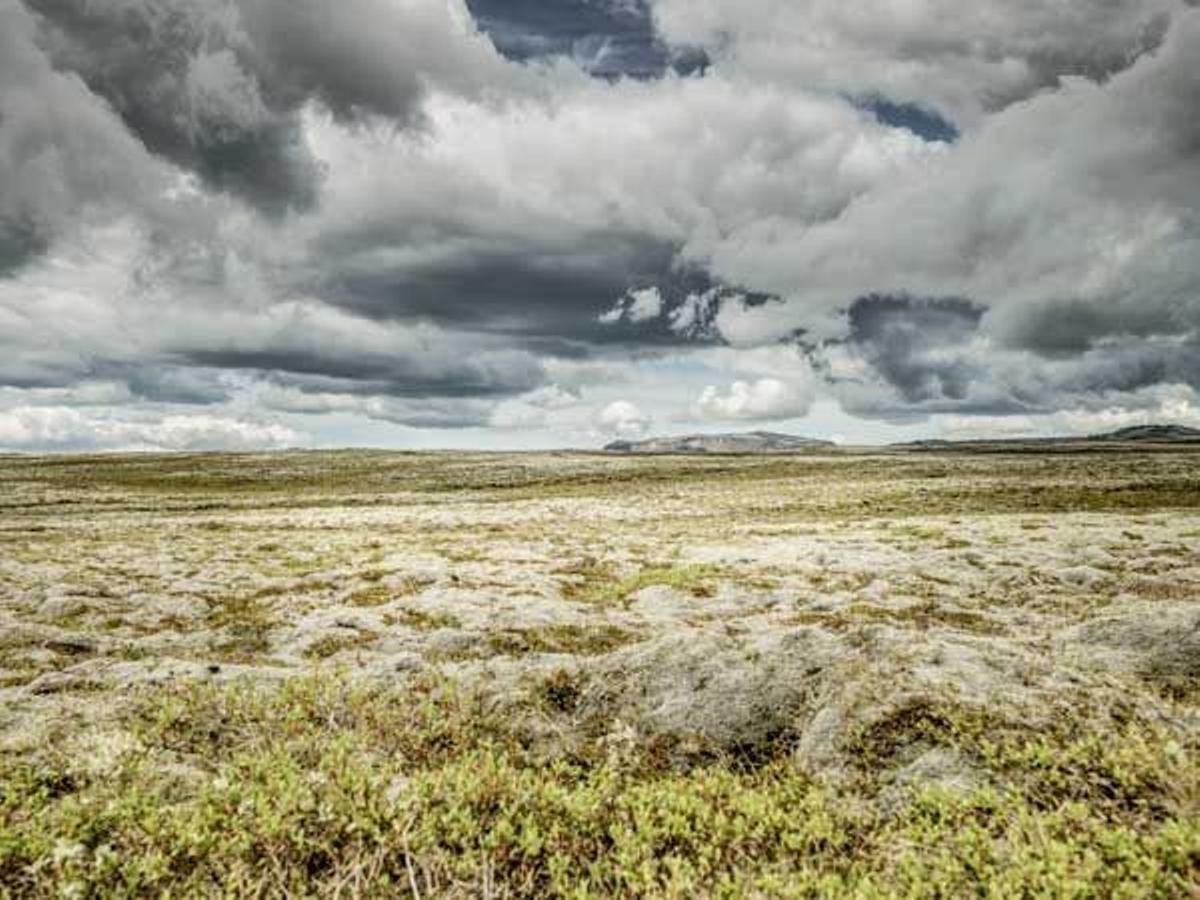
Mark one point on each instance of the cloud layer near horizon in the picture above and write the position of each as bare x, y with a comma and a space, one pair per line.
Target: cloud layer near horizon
263, 222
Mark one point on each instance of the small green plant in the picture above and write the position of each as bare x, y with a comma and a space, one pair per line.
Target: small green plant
560, 690
581, 640
697, 580
320, 783
923, 615
244, 623
375, 595
421, 619
338, 643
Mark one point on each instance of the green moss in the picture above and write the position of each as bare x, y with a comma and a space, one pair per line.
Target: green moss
581, 640
375, 595
420, 619
921, 616
244, 623
595, 588
334, 644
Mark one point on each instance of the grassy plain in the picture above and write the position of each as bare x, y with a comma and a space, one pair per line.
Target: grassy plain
837, 674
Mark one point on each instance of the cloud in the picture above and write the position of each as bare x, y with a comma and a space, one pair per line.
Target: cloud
307, 343
1179, 405
217, 86
693, 317
636, 306
535, 409
761, 400
917, 346
64, 428
624, 419
333, 399
379, 212
1067, 225
528, 222
66, 161
456, 260
1034, 207
961, 60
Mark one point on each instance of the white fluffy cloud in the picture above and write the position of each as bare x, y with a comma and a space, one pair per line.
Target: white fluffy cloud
32, 428
681, 161
960, 58
764, 399
536, 409
640, 305
624, 419
1069, 219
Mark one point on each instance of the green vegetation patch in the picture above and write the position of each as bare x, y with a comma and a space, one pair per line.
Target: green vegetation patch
321, 784
245, 623
331, 645
597, 585
921, 616
581, 640
420, 619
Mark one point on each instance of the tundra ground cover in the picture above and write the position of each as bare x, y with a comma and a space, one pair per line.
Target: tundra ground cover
458, 674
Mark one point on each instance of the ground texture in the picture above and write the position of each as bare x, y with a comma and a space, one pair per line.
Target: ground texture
912, 674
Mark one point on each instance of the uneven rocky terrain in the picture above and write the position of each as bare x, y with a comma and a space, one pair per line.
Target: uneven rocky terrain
452, 674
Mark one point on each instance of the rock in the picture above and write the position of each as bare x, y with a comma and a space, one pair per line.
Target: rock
1155, 640
447, 643
939, 768
737, 694
72, 645
59, 606
1083, 576
58, 682
943, 767
407, 662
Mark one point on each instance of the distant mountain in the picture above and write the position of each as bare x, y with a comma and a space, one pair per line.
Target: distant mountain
1134, 434
747, 442
1154, 433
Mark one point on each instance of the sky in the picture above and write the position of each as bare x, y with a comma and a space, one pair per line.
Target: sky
511, 224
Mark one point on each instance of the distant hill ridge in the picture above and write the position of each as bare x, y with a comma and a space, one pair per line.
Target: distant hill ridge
1133, 434
745, 442
1165, 433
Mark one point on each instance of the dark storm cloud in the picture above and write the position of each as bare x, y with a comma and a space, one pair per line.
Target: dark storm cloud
320, 348
154, 380
21, 239
901, 336
1069, 327
217, 86
936, 356
177, 74
165, 383
391, 375
608, 38
63, 156
530, 294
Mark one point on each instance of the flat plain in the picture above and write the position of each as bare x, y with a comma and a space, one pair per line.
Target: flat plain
858, 673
